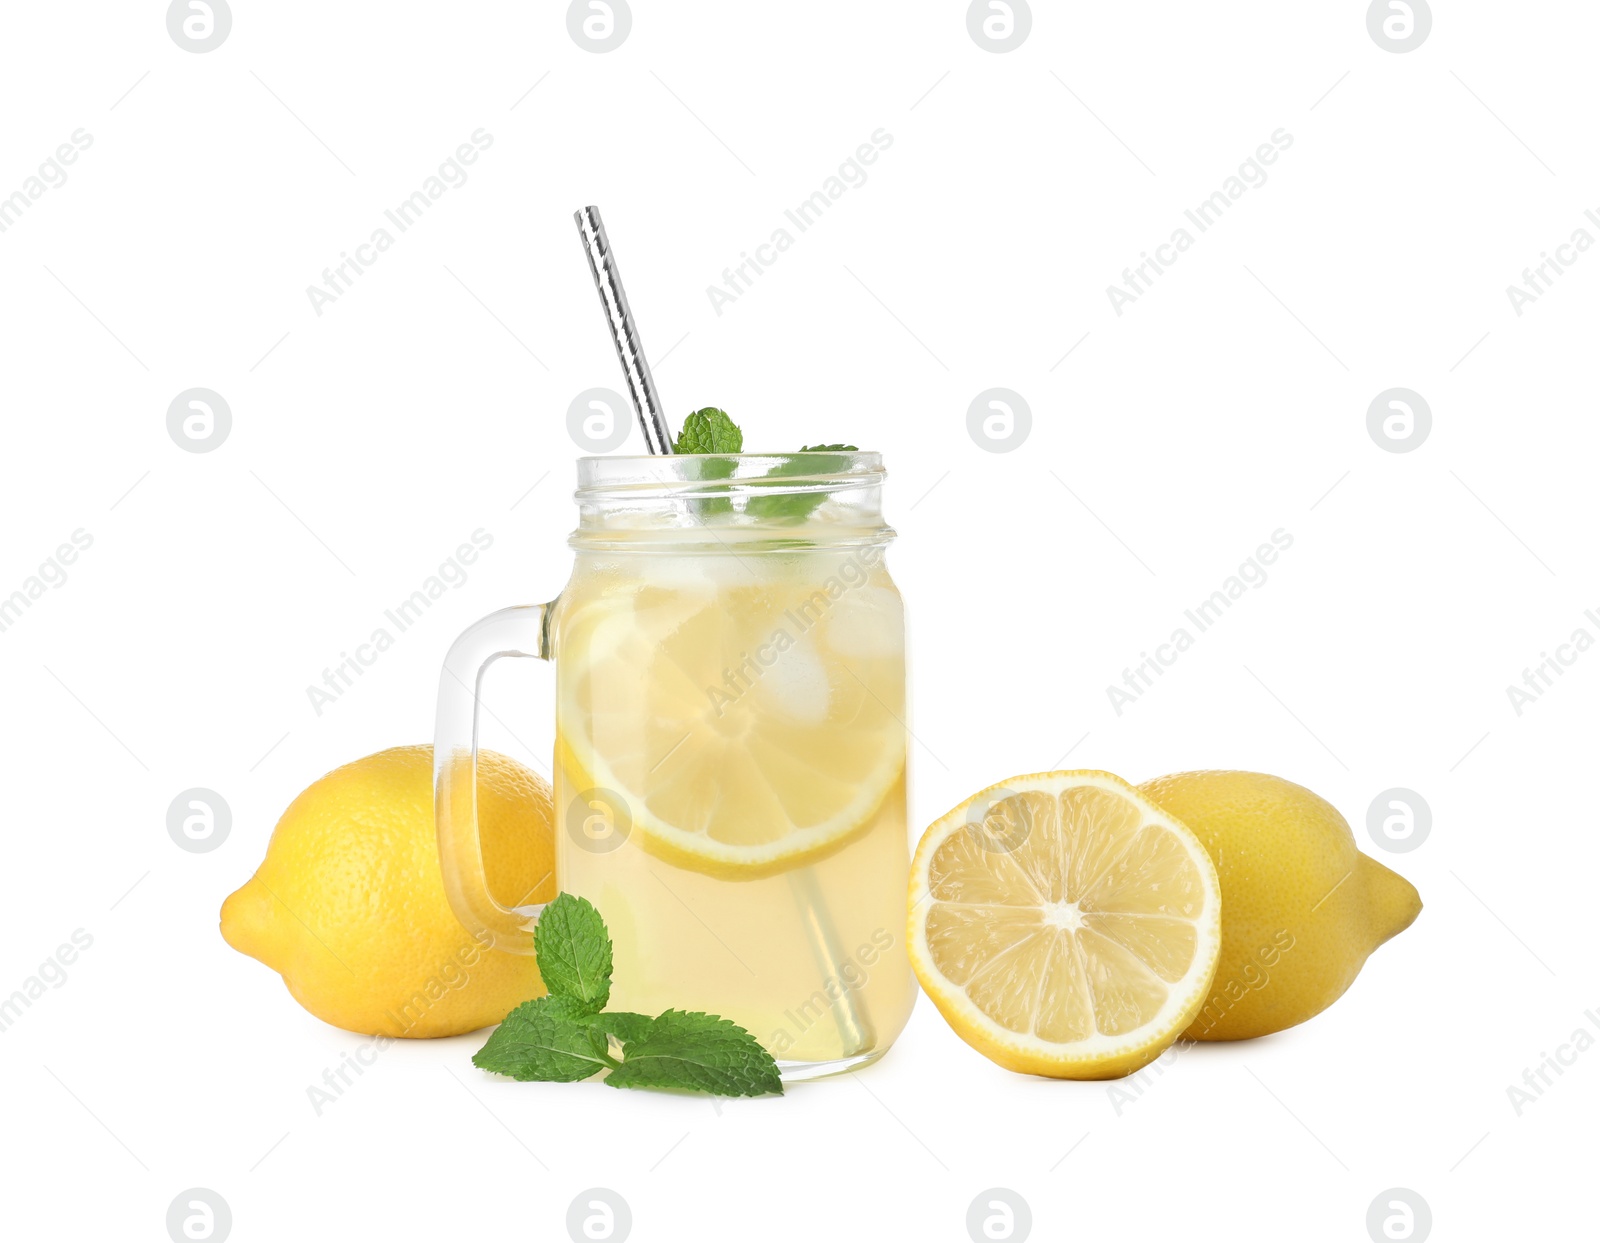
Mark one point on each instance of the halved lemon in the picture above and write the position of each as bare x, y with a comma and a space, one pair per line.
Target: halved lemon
751, 726
1064, 925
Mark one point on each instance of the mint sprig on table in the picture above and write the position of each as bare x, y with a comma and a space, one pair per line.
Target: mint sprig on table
711, 431
569, 1035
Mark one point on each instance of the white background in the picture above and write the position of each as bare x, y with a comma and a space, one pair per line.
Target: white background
1167, 443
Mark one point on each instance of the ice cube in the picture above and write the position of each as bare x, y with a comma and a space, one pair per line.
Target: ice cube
795, 683
867, 622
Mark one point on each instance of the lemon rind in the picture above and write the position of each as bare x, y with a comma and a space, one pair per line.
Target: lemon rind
1098, 1056
698, 853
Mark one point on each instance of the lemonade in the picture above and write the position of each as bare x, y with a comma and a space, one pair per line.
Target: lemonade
730, 762
730, 749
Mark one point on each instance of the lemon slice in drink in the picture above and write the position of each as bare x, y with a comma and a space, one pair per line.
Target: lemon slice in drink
1064, 925
749, 726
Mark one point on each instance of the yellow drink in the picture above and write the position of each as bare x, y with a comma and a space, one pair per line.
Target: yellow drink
730, 783
730, 759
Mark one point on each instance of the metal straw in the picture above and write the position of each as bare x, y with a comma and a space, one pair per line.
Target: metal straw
624, 332
854, 1028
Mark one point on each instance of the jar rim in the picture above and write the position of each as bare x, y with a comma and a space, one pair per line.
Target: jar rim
727, 499
694, 473
727, 474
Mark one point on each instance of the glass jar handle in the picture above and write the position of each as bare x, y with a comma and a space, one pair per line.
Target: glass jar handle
517, 631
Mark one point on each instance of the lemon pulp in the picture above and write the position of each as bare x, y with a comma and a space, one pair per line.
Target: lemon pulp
1064, 925
748, 715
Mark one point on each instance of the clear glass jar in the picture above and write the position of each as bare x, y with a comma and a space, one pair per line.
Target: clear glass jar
730, 758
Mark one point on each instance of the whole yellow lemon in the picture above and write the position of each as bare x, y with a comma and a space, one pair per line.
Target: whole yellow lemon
1302, 908
349, 904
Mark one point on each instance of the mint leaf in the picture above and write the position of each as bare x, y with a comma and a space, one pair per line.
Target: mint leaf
796, 506
573, 950
709, 431
698, 1052
546, 1039
619, 1023
566, 1035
